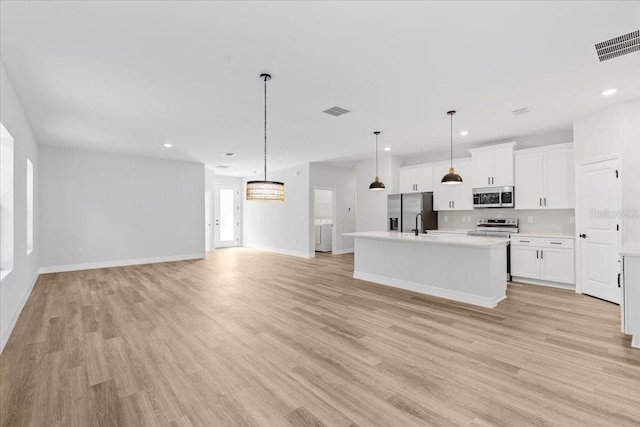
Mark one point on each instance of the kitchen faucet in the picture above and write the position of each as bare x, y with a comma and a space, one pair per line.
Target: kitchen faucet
417, 229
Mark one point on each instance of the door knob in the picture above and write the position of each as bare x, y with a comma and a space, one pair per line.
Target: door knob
584, 236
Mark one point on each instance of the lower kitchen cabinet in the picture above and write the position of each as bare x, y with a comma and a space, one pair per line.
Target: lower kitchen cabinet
631, 296
542, 260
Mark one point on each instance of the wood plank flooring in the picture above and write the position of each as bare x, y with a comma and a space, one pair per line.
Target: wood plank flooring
258, 339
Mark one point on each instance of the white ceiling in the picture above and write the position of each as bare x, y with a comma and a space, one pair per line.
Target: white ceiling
130, 76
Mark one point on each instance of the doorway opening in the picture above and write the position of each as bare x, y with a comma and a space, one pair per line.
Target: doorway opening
227, 216
324, 219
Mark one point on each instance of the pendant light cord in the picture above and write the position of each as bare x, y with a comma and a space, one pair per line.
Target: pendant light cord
451, 134
265, 128
376, 155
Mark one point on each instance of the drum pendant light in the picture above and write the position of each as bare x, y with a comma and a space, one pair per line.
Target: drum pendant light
452, 177
265, 190
376, 185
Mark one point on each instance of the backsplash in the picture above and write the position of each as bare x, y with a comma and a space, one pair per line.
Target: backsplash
556, 221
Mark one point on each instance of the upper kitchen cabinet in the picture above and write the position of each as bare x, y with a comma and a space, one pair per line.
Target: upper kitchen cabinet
415, 179
456, 197
493, 165
545, 178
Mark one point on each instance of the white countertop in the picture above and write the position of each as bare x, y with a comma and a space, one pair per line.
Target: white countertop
433, 239
545, 235
449, 231
631, 249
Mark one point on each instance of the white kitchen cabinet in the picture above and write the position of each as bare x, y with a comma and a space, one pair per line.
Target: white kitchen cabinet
545, 178
456, 197
525, 261
413, 179
631, 295
542, 259
557, 265
493, 165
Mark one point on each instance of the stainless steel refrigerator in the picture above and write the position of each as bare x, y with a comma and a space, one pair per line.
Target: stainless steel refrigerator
414, 203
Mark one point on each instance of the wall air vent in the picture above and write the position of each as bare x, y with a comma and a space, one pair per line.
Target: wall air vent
336, 111
618, 46
222, 167
523, 110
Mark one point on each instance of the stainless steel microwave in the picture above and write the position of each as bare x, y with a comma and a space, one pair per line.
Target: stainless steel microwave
493, 197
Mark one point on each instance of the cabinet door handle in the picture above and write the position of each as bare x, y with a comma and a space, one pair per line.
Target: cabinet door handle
541, 254
453, 204
540, 203
491, 180
523, 241
537, 253
545, 201
488, 180
556, 243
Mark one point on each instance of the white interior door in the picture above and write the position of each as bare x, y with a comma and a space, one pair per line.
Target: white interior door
227, 216
599, 210
208, 231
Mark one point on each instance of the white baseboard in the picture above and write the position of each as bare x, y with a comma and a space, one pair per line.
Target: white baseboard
14, 319
430, 290
342, 251
281, 251
119, 263
543, 283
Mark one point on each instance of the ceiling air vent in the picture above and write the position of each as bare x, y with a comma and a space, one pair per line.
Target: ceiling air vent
222, 167
523, 110
336, 111
618, 46
229, 154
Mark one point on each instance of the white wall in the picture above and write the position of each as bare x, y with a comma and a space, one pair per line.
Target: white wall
280, 226
322, 203
371, 206
16, 287
343, 180
615, 130
103, 209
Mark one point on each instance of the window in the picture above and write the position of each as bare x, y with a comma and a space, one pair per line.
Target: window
29, 207
6, 202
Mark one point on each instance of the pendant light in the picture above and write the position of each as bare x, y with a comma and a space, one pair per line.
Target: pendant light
265, 190
376, 185
452, 177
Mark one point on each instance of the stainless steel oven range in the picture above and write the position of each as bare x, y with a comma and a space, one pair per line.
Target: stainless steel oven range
497, 227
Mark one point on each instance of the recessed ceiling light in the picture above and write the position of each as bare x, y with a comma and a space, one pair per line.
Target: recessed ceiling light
464, 133
167, 145
608, 92
387, 148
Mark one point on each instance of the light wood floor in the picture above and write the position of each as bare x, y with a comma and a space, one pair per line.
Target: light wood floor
251, 338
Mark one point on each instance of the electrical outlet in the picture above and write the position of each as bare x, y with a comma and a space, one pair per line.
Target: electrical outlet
446, 219
469, 218
572, 220
464, 218
530, 219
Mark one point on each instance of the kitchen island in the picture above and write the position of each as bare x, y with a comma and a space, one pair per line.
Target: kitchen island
462, 268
